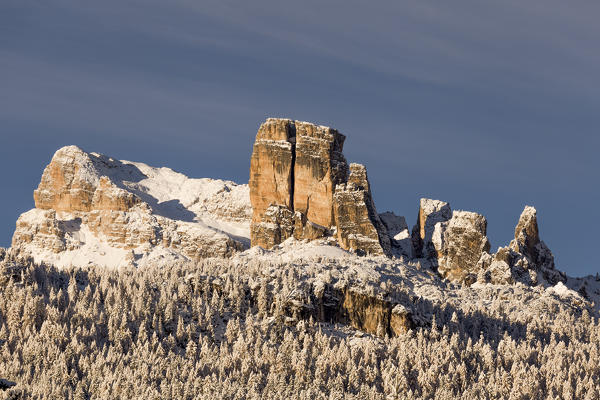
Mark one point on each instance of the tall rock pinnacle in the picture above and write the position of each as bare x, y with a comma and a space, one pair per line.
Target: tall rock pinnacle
299, 185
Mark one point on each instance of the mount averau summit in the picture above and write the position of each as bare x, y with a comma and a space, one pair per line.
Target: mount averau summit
91, 209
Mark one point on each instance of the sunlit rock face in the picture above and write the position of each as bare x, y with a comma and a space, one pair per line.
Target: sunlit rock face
299, 168
460, 243
272, 167
93, 209
319, 167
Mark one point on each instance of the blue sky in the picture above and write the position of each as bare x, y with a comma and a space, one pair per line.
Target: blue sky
487, 105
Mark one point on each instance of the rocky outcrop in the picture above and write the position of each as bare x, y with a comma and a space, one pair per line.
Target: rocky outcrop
94, 209
398, 233
456, 245
526, 259
350, 305
276, 225
358, 224
430, 213
460, 243
300, 186
527, 240
374, 315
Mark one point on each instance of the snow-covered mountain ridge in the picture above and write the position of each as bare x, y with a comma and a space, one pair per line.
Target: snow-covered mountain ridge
304, 208
93, 209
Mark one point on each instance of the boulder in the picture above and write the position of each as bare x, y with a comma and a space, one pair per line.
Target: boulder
460, 243
358, 224
430, 213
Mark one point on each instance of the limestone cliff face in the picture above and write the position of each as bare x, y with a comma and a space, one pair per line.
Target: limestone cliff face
319, 167
351, 305
272, 166
67, 182
358, 224
299, 186
94, 209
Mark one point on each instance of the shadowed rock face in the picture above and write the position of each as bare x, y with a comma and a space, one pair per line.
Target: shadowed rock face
398, 233
430, 213
358, 224
299, 167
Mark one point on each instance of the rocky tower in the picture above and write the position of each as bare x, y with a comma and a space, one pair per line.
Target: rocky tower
430, 213
272, 167
299, 186
460, 243
319, 167
358, 225
526, 259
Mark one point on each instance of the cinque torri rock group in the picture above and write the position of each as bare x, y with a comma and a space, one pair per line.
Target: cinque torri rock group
91, 209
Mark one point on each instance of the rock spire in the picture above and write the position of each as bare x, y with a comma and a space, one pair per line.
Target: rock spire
302, 186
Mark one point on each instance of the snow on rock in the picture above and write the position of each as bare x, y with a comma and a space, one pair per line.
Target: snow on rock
358, 224
526, 259
301, 185
460, 242
561, 290
399, 234
93, 209
430, 213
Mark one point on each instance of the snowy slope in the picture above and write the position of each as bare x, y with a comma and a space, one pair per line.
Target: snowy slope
97, 210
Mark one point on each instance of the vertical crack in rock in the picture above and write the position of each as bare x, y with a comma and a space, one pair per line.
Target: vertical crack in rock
292, 139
